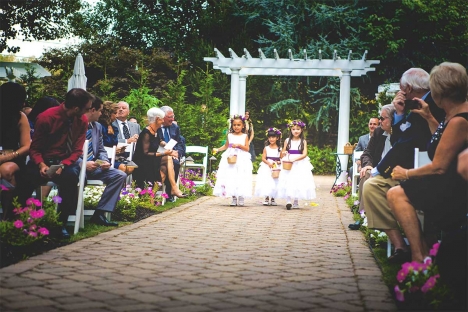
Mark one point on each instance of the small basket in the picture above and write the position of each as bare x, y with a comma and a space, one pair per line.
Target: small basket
275, 173
232, 159
348, 148
287, 165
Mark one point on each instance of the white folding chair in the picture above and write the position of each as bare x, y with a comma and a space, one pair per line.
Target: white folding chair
420, 159
202, 166
355, 177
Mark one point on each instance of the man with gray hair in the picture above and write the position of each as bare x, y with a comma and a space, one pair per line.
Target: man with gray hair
170, 130
128, 131
408, 131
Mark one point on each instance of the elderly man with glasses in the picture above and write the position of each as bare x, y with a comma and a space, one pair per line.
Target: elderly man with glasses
408, 131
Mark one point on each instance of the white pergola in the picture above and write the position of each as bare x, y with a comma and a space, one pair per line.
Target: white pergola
241, 67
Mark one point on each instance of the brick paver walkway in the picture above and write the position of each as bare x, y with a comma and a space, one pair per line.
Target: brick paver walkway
207, 256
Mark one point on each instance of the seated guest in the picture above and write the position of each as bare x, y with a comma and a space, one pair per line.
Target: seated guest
154, 166
110, 132
14, 138
59, 135
41, 105
409, 130
171, 130
377, 148
114, 179
128, 131
363, 142
436, 188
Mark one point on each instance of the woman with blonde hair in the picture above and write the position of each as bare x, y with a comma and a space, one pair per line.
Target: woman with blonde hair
154, 165
436, 188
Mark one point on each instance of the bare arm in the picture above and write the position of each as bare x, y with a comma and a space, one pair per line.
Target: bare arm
284, 151
451, 142
222, 148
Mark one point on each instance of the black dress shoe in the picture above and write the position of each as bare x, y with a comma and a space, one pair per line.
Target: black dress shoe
100, 219
400, 256
171, 199
64, 233
355, 226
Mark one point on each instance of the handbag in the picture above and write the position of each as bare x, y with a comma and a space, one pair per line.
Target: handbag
348, 148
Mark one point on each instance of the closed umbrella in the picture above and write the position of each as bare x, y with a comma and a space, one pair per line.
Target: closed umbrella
78, 79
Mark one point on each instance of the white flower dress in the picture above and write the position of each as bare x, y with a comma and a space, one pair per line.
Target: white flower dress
234, 179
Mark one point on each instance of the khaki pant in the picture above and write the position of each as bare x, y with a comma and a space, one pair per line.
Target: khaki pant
374, 197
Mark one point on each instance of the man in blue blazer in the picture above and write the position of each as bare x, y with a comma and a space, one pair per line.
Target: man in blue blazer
170, 130
101, 170
364, 141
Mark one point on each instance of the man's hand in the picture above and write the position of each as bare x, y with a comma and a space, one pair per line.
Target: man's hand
105, 166
91, 165
363, 171
399, 102
133, 139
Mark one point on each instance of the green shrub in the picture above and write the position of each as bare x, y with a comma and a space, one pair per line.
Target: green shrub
322, 159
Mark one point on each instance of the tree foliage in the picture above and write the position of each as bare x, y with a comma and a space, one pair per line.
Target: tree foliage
34, 20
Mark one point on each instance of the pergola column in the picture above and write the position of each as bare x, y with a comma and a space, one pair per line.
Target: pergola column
234, 103
242, 92
343, 121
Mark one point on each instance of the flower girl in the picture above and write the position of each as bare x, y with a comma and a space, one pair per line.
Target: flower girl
234, 176
268, 172
296, 180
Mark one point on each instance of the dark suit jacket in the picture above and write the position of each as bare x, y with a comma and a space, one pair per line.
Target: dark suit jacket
405, 139
98, 145
373, 152
174, 133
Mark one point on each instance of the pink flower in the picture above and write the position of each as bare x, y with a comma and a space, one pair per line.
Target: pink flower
33, 227
402, 274
18, 224
43, 231
3, 187
35, 214
57, 199
33, 201
164, 195
143, 192
32, 233
430, 283
434, 250
399, 294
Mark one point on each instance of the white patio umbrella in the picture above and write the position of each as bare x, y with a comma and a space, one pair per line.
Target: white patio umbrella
78, 79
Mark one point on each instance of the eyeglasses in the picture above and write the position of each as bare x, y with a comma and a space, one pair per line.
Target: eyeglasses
381, 118
170, 117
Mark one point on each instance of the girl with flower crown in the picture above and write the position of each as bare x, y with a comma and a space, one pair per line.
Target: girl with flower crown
266, 184
298, 182
234, 176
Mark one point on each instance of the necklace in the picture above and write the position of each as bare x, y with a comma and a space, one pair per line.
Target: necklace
152, 129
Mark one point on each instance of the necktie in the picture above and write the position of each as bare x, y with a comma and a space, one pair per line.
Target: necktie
125, 131
166, 135
69, 137
89, 137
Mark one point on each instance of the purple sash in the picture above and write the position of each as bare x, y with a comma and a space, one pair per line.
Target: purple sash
294, 152
273, 158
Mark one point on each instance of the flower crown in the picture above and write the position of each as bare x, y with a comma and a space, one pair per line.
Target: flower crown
296, 123
275, 130
236, 116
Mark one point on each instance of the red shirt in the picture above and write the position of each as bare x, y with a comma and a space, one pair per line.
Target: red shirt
50, 136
